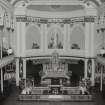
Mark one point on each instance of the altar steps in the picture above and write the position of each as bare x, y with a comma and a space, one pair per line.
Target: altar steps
78, 98
65, 94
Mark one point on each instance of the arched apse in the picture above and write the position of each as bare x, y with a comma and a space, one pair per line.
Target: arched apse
55, 38
77, 38
33, 37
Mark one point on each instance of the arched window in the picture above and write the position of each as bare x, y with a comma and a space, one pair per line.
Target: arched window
33, 38
77, 38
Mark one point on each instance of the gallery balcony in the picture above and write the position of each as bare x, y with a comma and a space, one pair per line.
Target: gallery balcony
7, 60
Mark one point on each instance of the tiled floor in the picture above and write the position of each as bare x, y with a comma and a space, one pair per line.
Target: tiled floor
12, 100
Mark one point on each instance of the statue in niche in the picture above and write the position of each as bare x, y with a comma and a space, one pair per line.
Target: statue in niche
59, 44
35, 46
51, 43
54, 41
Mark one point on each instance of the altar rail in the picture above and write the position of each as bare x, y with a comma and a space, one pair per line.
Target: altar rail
71, 90
56, 98
39, 90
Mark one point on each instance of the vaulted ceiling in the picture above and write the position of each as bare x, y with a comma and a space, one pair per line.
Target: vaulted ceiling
95, 1
55, 8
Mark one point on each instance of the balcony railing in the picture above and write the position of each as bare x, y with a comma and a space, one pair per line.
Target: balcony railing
7, 60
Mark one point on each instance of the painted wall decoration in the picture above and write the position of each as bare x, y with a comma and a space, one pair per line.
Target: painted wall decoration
33, 37
77, 37
89, 68
55, 38
21, 68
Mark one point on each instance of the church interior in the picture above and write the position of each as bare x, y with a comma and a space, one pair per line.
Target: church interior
52, 50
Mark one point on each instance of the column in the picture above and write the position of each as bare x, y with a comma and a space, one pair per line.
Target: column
1, 80
17, 72
24, 68
101, 77
24, 71
1, 55
85, 68
9, 41
93, 72
44, 67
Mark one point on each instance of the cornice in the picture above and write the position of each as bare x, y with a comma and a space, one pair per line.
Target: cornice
55, 20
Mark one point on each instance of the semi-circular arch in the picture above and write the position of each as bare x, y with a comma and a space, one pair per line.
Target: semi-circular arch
96, 2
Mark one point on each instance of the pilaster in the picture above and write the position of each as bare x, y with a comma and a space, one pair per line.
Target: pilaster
18, 33
87, 39
22, 38
65, 37
92, 37
46, 45
68, 37
42, 37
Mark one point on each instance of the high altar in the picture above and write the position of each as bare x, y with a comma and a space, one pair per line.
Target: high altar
55, 69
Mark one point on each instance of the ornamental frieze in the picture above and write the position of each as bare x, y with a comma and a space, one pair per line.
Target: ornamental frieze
89, 19
35, 23
55, 20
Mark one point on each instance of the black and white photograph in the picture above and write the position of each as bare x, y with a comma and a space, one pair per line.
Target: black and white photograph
52, 52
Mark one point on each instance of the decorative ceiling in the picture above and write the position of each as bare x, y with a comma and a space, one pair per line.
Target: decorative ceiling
97, 2
55, 8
